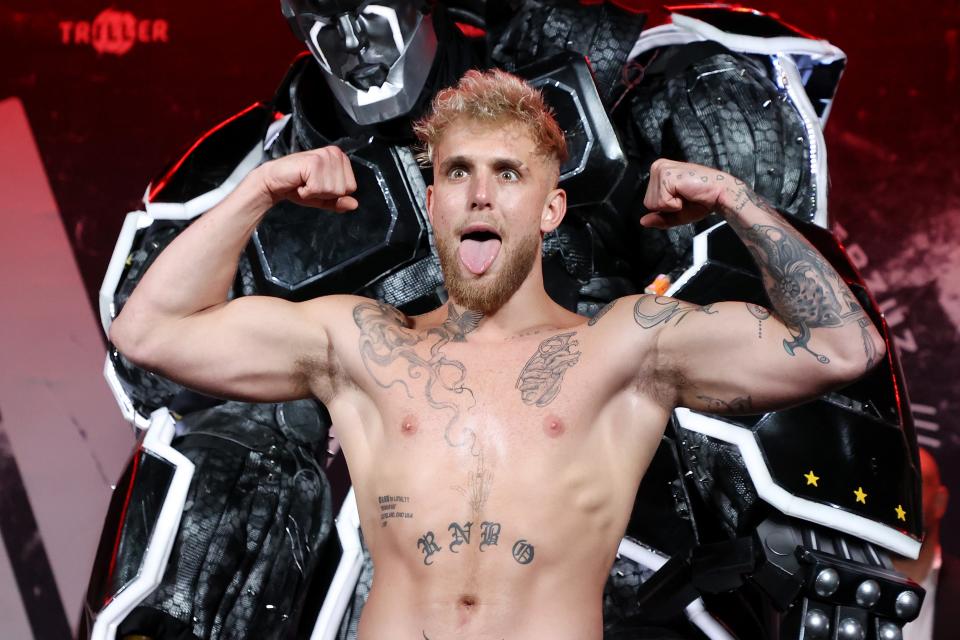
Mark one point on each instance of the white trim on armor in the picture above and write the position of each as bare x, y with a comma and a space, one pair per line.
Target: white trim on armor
157, 441
696, 611
134, 221
344, 583
786, 502
684, 29
120, 395
205, 201
788, 79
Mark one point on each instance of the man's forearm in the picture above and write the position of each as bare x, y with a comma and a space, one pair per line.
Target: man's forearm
198, 268
806, 292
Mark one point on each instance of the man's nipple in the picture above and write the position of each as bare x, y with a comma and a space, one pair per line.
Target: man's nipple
553, 426
408, 426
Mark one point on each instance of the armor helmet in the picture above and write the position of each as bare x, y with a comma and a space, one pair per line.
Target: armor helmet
375, 54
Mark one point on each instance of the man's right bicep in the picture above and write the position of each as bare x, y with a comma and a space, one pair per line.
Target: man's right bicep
254, 348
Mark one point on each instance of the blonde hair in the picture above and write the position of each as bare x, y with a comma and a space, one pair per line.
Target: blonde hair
493, 97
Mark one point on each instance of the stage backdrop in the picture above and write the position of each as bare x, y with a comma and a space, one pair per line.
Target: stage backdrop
114, 90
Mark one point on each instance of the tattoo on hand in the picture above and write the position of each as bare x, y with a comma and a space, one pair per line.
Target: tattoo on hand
539, 381
386, 339
602, 312
737, 405
650, 311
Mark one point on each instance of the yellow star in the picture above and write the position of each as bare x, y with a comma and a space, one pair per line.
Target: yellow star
901, 514
811, 478
861, 496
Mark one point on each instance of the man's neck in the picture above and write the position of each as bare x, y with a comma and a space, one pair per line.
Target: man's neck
527, 310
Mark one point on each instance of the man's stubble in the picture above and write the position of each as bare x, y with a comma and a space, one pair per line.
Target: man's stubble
489, 292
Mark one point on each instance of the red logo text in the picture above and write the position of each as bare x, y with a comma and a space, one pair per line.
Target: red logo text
113, 31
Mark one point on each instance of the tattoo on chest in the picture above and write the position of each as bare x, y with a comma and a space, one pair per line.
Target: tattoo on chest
460, 536
387, 340
539, 381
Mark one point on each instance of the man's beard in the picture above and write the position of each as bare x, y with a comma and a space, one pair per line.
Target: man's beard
487, 294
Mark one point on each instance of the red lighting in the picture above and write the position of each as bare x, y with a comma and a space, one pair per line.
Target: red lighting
162, 182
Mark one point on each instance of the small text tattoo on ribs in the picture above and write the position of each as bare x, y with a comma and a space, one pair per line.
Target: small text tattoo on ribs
393, 507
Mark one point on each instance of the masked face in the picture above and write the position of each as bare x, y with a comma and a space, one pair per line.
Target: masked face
375, 55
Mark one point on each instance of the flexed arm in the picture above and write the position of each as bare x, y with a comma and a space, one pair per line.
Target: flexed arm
739, 357
178, 321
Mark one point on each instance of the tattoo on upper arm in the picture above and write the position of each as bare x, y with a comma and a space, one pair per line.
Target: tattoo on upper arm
602, 312
386, 338
737, 405
761, 314
650, 311
539, 381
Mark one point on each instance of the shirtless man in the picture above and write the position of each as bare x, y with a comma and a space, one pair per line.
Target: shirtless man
496, 444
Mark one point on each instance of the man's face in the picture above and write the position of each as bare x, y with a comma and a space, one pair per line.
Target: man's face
492, 199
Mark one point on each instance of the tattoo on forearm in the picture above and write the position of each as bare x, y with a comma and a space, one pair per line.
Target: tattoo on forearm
602, 312
801, 284
650, 310
869, 347
737, 405
388, 508
539, 381
386, 339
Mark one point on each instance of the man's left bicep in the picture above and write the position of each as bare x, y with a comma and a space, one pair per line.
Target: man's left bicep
737, 357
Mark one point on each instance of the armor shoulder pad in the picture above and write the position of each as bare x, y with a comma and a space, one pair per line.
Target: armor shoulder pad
210, 160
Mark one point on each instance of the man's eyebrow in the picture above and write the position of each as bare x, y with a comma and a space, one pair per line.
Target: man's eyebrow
453, 161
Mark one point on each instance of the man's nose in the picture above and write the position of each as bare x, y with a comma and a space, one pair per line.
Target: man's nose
352, 32
480, 192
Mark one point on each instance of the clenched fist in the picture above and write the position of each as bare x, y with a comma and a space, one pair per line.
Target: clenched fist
680, 192
321, 178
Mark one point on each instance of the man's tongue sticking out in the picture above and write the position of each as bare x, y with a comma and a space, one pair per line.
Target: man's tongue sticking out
477, 254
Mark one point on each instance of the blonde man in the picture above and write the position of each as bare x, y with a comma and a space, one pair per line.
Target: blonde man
495, 444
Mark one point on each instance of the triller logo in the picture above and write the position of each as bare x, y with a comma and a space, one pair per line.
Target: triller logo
113, 31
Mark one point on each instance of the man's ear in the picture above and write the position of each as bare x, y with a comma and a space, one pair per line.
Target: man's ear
430, 204
553, 210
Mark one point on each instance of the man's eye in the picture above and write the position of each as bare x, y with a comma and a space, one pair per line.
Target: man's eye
509, 175
457, 173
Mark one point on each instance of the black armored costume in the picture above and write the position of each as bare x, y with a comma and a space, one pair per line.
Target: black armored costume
767, 526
